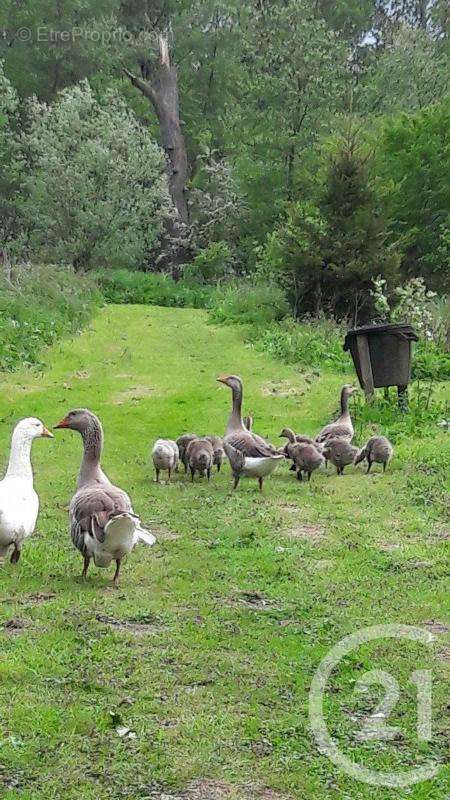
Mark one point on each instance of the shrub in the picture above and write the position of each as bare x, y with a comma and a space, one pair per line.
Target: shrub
383, 414
43, 304
151, 288
315, 343
247, 304
429, 316
211, 264
97, 188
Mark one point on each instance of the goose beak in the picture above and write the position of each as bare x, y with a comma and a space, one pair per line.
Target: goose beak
222, 379
64, 423
46, 433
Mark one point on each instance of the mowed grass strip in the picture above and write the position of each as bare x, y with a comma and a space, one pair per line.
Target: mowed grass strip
207, 651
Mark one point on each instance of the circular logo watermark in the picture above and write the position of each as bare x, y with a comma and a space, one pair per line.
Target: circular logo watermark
376, 726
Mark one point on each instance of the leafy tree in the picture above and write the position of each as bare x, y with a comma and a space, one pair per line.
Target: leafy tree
50, 44
411, 161
326, 253
96, 191
293, 81
409, 73
10, 165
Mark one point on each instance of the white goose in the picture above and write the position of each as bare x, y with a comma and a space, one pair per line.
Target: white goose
19, 503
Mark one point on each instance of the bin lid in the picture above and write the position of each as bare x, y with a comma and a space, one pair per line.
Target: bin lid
401, 329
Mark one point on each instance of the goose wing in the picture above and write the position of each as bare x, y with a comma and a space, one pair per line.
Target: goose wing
92, 507
335, 429
249, 444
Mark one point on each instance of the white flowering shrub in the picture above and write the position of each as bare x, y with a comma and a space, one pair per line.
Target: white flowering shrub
414, 304
96, 193
429, 315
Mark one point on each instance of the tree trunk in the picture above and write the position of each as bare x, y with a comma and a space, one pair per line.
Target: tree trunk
162, 91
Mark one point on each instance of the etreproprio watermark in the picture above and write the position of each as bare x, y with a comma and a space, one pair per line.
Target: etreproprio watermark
44, 33
376, 726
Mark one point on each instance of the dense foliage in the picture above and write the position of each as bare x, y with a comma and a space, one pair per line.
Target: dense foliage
124, 286
95, 193
312, 137
38, 307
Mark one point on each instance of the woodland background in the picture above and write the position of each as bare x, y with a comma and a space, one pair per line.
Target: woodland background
273, 160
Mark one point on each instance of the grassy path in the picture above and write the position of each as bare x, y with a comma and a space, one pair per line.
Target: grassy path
208, 650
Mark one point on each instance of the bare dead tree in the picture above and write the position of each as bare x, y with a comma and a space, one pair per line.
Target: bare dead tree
161, 89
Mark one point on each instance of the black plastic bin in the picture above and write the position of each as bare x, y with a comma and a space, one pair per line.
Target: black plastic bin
381, 355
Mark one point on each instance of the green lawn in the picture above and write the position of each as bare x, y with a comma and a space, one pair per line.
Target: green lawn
208, 649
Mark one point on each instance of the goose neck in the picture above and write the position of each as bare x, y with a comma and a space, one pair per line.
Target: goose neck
235, 419
92, 436
19, 465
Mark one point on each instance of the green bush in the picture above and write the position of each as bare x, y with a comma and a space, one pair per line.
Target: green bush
212, 263
426, 409
151, 288
430, 362
314, 343
247, 304
43, 304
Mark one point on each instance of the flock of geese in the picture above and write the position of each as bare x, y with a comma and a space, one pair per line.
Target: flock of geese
251, 456
103, 525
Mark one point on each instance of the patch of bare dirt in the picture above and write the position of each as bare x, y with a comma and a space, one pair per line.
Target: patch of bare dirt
443, 654
303, 530
15, 626
389, 547
22, 388
207, 789
321, 565
139, 627
132, 394
281, 389
82, 374
434, 626
38, 597
163, 534
441, 534
253, 600
290, 508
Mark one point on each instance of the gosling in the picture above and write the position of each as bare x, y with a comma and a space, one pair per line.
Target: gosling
219, 452
292, 440
200, 457
165, 455
378, 450
340, 452
182, 443
306, 459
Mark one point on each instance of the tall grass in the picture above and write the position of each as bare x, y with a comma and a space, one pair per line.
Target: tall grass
247, 304
41, 305
313, 343
151, 288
